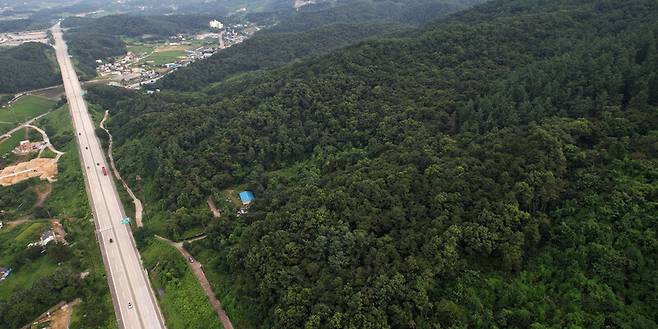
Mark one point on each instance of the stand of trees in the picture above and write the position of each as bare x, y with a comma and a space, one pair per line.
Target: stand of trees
101, 38
314, 30
495, 169
28, 66
269, 50
160, 26
88, 46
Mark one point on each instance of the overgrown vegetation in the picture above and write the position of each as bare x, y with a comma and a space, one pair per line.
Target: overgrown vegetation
183, 303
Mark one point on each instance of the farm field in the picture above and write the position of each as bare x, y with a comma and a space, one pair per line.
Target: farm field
23, 109
164, 57
10, 143
141, 49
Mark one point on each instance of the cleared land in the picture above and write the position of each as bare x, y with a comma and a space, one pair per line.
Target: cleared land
45, 169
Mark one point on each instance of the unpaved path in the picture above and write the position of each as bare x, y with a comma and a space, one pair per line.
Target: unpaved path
15, 223
197, 268
138, 203
57, 317
26, 123
47, 141
42, 191
213, 208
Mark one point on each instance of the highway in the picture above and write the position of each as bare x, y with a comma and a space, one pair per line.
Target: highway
135, 304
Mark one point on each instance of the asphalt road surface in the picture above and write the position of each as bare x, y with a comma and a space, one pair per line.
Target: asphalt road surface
129, 283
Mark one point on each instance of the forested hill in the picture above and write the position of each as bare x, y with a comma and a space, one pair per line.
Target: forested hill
270, 50
136, 26
413, 12
312, 31
28, 66
498, 169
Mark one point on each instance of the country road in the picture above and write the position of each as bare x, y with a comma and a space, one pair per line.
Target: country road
139, 209
135, 304
197, 269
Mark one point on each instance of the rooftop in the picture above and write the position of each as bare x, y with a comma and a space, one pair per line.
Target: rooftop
247, 196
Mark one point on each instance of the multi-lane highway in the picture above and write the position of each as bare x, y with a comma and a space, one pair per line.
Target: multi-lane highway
134, 302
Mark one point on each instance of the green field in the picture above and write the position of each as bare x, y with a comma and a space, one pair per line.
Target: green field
16, 239
12, 243
11, 143
183, 303
24, 109
47, 153
26, 276
164, 57
141, 49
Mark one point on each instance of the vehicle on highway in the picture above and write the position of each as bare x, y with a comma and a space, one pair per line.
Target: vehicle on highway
190, 259
104, 171
111, 240
130, 305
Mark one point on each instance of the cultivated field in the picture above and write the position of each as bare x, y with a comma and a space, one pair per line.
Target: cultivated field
24, 109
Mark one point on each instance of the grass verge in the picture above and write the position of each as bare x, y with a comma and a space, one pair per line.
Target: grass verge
183, 303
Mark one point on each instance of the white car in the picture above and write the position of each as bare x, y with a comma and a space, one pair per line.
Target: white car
130, 306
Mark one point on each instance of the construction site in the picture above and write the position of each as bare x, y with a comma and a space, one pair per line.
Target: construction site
45, 169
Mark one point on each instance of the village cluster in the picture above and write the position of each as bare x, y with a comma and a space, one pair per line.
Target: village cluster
134, 70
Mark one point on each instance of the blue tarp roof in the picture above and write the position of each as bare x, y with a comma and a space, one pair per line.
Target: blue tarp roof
246, 196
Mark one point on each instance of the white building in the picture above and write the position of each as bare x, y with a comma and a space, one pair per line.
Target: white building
215, 24
46, 238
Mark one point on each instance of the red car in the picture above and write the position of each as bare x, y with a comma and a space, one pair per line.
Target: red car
104, 171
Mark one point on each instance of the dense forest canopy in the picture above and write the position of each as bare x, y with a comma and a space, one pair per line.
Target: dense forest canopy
126, 25
494, 169
314, 30
28, 66
269, 50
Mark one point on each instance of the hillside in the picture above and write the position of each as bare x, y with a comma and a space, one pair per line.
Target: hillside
28, 66
314, 30
494, 169
270, 50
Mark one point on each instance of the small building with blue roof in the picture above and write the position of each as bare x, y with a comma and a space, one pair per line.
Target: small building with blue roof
247, 197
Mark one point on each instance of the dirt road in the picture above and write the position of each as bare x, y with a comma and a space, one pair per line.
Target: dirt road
215, 212
197, 268
139, 209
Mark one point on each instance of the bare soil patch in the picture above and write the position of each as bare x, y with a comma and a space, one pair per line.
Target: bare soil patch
45, 169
